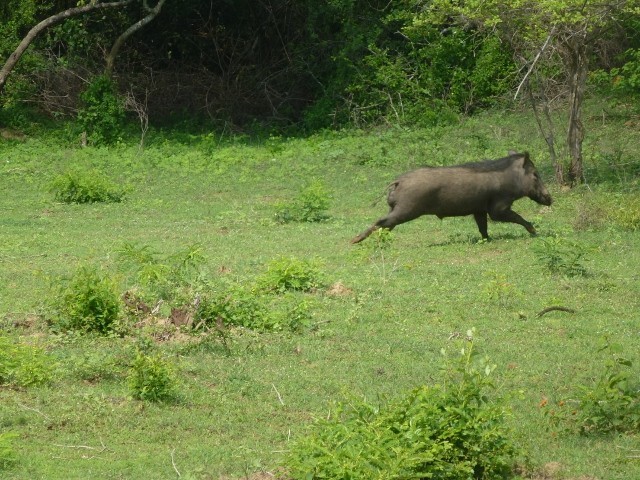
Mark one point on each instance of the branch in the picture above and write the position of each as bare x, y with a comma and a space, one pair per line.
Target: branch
153, 12
46, 23
535, 60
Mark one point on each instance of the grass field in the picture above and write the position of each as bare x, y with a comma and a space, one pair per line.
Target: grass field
374, 328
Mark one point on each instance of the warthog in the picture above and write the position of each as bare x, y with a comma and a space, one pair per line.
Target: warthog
478, 189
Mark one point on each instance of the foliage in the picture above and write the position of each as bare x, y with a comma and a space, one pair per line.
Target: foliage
310, 205
609, 404
237, 306
86, 187
87, 301
165, 277
447, 431
561, 256
626, 212
151, 378
291, 274
23, 365
102, 113
7, 449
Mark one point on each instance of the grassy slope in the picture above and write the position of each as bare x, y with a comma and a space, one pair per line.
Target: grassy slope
383, 337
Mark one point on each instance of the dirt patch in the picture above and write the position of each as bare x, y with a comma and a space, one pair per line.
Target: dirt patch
338, 289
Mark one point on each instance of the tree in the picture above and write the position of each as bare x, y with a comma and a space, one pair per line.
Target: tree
541, 30
46, 23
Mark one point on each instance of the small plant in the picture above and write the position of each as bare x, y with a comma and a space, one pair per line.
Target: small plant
499, 290
162, 277
310, 205
627, 213
88, 302
450, 431
376, 251
237, 306
610, 404
23, 365
562, 257
7, 450
86, 187
151, 378
291, 274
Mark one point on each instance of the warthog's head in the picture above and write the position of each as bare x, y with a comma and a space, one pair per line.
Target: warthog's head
533, 184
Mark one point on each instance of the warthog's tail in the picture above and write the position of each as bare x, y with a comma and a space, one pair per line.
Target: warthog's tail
389, 187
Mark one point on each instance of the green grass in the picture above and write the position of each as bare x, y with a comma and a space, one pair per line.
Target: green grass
238, 405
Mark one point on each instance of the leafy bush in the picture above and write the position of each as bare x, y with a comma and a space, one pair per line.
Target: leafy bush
448, 431
310, 205
561, 256
626, 212
86, 187
23, 365
610, 404
237, 306
102, 113
7, 450
151, 378
162, 277
290, 274
88, 301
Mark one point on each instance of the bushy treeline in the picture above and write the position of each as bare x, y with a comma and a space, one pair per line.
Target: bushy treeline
309, 63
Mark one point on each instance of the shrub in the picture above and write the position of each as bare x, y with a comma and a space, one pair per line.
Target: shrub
237, 306
448, 431
609, 404
86, 187
151, 378
7, 451
627, 213
310, 205
562, 257
162, 276
290, 274
23, 365
88, 302
102, 113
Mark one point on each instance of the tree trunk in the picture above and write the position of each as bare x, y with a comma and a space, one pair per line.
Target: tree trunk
577, 68
152, 13
48, 22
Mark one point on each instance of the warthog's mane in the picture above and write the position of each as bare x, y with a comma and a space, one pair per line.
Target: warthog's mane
492, 165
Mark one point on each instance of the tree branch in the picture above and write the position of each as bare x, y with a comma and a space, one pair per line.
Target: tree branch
46, 23
153, 12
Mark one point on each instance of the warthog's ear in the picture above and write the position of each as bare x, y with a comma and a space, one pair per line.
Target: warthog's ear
511, 153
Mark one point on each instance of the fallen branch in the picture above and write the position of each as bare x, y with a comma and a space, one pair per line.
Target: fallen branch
556, 308
174, 463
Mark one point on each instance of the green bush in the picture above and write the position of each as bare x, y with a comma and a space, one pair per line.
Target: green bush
7, 450
102, 113
236, 305
88, 301
23, 365
162, 277
609, 404
451, 431
86, 187
290, 274
560, 256
151, 378
310, 205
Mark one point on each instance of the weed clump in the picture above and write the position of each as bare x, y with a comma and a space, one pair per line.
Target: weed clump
291, 274
609, 404
86, 187
87, 302
560, 256
7, 450
310, 205
450, 431
151, 378
236, 306
23, 365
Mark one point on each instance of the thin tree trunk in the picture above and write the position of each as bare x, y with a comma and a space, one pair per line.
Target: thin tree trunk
152, 13
547, 133
44, 24
577, 69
